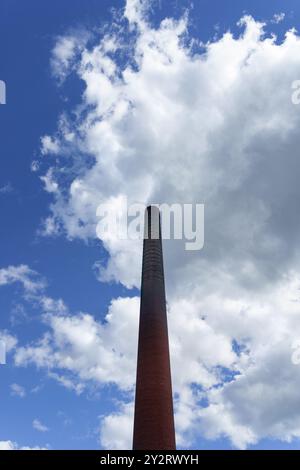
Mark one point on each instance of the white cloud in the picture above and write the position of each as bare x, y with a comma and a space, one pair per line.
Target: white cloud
6, 445
214, 126
53, 306
278, 18
38, 426
23, 274
135, 11
116, 429
50, 185
65, 51
50, 226
79, 350
17, 390
9, 445
87, 350
49, 145
127, 122
34, 448
9, 340
35, 165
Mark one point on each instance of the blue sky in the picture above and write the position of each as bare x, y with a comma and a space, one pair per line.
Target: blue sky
35, 100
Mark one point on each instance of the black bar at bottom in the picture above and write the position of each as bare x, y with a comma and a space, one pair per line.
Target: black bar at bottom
130, 459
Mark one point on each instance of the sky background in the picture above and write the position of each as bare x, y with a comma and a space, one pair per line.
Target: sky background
104, 103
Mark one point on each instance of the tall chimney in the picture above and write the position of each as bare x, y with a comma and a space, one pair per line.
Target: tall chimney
153, 419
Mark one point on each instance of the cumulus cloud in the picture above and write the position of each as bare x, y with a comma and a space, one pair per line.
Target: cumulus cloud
78, 349
231, 380
128, 130
116, 429
170, 123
